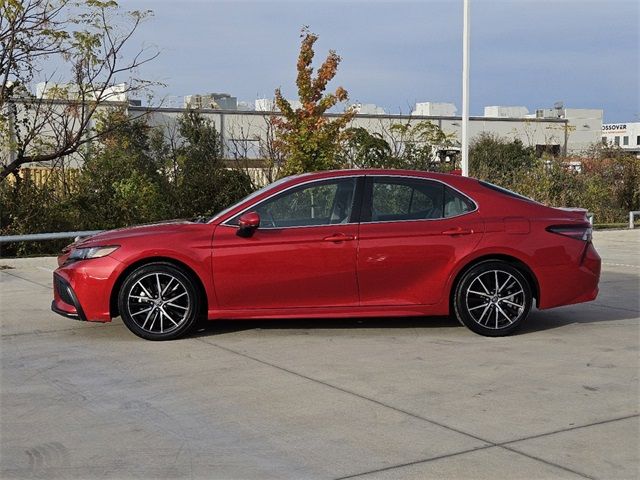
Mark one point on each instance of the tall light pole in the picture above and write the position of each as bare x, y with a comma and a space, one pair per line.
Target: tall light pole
465, 89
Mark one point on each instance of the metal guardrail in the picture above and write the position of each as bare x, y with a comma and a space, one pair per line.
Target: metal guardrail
37, 237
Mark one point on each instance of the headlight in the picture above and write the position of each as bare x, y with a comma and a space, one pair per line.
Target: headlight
91, 252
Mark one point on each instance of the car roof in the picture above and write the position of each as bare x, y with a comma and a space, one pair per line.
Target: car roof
445, 177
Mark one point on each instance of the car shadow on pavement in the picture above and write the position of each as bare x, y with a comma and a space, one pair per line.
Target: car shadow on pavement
609, 307
218, 327
538, 320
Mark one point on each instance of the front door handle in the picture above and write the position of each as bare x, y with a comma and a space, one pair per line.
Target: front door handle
458, 231
339, 237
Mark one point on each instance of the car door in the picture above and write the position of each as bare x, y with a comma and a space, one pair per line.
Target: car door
302, 255
411, 233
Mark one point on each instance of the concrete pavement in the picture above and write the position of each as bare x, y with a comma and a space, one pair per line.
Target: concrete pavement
324, 399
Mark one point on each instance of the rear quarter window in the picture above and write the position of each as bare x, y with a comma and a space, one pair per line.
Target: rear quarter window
456, 204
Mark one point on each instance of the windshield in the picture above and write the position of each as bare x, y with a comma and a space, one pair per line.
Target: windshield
250, 196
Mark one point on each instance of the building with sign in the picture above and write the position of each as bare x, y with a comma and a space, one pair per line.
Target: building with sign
623, 135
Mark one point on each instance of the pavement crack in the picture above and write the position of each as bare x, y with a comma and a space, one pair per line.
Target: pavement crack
27, 280
547, 462
349, 392
416, 462
569, 429
487, 443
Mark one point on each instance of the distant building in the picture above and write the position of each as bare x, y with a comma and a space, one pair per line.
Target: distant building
434, 109
70, 91
212, 101
499, 111
246, 106
369, 109
623, 135
269, 104
583, 127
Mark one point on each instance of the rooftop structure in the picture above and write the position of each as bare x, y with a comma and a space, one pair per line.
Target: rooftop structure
435, 109
214, 101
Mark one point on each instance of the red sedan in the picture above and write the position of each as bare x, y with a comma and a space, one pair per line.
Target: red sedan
350, 243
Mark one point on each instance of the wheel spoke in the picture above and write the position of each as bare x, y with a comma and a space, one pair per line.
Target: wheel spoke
144, 289
177, 306
497, 283
483, 313
512, 303
483, 286
138, 297
162, 312
141, 311
505, 282
479, 306
480, 293
166, 287
158, 286
147, 319
176, 297
499, 309
153, 322
511, 295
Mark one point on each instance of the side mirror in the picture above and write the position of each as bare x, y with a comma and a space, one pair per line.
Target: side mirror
248, 223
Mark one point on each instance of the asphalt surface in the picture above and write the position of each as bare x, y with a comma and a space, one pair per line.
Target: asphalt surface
324, 399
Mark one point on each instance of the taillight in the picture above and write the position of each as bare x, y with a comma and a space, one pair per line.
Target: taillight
579, 232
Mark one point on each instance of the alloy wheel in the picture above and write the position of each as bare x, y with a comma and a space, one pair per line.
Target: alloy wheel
159, 303
495, 299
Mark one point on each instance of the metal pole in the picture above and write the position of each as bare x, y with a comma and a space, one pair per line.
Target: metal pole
465, 90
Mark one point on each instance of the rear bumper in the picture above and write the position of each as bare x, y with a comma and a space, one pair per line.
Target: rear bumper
570, 284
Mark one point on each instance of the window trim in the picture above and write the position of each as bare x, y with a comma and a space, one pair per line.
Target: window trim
367, 196
359, 201
355, 203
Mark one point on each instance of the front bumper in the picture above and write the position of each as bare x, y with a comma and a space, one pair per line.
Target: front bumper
65, 302
82, 289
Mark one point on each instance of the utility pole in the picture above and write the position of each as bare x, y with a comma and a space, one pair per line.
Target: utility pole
465, 89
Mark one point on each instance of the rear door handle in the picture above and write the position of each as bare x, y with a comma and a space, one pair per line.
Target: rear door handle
339, 237
458, 231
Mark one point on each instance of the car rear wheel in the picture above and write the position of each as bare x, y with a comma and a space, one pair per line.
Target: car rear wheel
493, 298
159, 301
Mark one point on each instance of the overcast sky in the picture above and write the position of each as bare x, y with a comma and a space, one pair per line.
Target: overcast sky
396, 53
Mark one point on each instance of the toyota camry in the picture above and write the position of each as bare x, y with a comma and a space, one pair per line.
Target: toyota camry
348, 243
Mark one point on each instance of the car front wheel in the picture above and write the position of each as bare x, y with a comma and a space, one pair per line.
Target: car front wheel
493, 298
158, 301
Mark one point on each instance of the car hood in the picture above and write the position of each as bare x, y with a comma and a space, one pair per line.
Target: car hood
112, 236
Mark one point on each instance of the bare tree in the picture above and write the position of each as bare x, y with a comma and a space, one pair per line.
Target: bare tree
87, 38
257, 154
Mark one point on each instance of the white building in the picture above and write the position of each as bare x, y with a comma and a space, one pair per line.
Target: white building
269, 104
368, 109
434, 109
213, 101
500, 111
583, 125
68, 91
623, 135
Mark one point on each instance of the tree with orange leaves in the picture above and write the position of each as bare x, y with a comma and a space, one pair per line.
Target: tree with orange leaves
308, 139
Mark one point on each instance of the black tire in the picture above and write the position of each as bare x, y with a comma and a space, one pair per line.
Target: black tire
492, 298
174, 310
